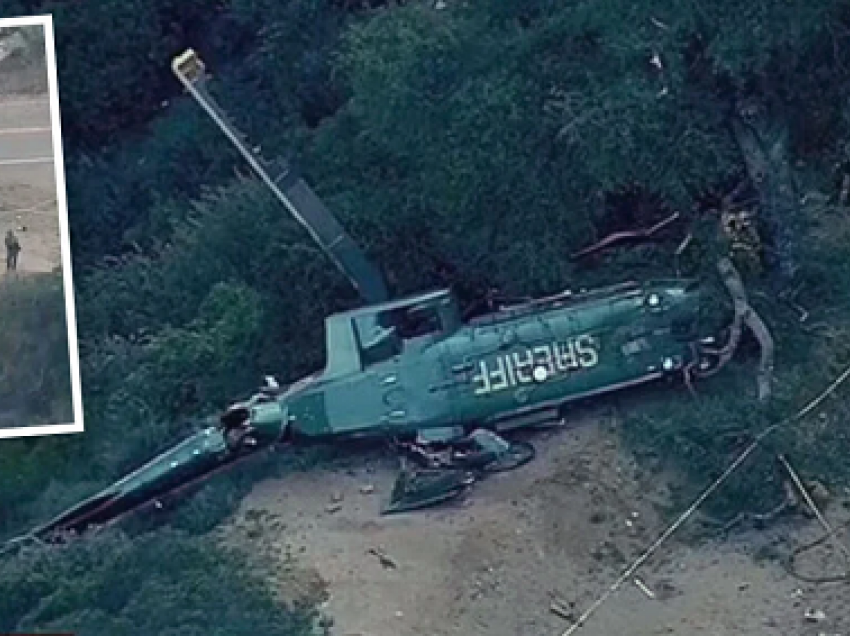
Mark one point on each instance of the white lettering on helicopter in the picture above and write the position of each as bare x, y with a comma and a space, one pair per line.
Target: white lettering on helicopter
535, 364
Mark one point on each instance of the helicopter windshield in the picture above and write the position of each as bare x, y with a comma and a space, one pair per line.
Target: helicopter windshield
382, 335
377, 341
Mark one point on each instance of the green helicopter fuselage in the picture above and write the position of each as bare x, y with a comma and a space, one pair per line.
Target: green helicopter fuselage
409, 366
412, 368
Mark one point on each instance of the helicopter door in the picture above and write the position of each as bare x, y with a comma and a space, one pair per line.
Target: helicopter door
391, 394
422, 374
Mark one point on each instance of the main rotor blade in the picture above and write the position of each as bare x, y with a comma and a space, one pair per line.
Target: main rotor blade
292, 191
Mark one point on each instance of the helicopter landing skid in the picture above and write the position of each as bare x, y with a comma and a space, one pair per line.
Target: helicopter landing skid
446, 475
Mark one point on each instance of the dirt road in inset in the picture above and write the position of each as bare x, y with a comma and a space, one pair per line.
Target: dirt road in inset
28, 201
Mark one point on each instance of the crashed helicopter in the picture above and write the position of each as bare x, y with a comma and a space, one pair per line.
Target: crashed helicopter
414, 371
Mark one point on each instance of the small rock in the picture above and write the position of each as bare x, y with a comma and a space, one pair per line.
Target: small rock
332, 508
664, 590
814, 616
399, 614
336, 497
367, 489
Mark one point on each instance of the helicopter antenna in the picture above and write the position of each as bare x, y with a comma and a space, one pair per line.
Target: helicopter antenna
290, 189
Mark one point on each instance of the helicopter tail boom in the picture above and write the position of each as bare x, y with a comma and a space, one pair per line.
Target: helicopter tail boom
194, 459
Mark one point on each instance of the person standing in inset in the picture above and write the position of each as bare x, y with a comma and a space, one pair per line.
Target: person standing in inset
13, 248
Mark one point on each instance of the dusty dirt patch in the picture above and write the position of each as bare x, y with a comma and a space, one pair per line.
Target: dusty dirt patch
28, 203
563, 527
30, 210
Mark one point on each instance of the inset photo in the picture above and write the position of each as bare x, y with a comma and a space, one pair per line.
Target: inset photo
39, 368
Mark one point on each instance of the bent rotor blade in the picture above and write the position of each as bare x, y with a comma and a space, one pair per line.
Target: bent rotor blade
290, 189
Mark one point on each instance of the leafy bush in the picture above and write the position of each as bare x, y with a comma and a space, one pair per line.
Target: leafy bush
478, 145
164, 583
35, 371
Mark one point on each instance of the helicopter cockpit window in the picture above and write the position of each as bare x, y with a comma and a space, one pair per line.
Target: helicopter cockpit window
417, 321
379, 340
381, 336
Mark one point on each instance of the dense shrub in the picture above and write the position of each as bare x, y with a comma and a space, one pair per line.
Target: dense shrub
35, 371
164, 583
476, 145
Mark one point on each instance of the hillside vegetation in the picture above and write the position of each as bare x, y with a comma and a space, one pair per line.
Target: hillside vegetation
476, 145
35, 371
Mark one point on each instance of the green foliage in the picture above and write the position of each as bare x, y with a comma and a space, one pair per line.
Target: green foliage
160, 171
703, 435
113, 61
110, 56
237, 234
220, 339
164, 583
290, 65
477, 145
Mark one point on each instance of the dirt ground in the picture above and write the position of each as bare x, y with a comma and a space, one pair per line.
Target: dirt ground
562, 528
28, 207
28, 204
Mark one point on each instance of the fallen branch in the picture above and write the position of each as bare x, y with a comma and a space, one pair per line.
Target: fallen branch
386, 561
744, 314
804, 314
765, 372
790, 501
764, 146
789, 563
622, 237
732, 281
658, 23
643, 588
684, 244
811, 504
561, 610
729, 198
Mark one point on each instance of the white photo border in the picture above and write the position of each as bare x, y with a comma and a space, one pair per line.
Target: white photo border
46, 21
